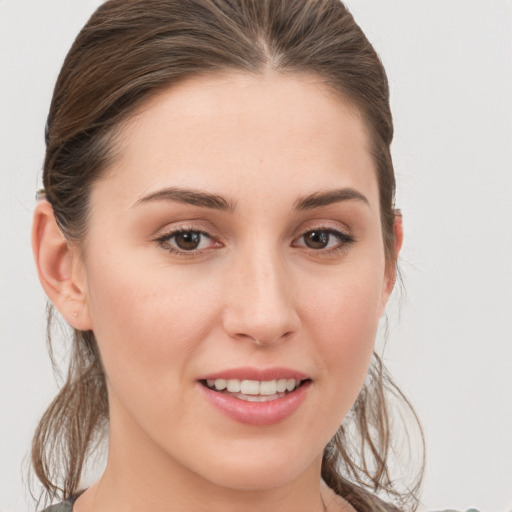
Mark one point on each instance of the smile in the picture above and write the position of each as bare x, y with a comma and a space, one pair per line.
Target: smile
254, 396
254, 390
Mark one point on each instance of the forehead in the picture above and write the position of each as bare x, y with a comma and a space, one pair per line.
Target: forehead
234, 131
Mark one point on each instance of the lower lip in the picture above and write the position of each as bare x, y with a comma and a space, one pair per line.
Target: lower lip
257, 413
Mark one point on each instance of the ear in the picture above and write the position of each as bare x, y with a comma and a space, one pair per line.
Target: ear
59, 268
391, 270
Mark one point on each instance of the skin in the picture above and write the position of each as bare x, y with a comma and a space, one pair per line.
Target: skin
253, 294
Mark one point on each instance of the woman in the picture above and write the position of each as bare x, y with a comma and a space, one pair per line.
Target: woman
217, 226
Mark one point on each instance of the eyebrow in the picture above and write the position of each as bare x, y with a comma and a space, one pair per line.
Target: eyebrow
217, 202
188, 196
329, 197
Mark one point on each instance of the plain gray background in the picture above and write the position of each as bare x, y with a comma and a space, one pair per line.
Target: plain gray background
450, 68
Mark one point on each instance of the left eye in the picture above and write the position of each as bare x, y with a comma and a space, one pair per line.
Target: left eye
318, 239
186, 240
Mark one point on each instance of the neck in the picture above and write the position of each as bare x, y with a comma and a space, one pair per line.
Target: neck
179, 493
140, 475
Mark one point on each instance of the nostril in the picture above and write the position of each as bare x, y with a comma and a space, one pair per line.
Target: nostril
264, 317
270, 339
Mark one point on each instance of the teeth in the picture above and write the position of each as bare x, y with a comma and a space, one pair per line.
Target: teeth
233, 385
250, 387
254, 387
281, 385
259, 398
219, 384
268, 387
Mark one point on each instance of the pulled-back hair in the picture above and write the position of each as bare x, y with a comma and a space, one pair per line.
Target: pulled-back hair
127, 52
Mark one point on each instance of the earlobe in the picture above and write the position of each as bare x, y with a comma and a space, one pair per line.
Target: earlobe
57, 266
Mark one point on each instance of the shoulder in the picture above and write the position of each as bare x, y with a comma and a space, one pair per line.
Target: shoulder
421, 508
64, 506
453, 510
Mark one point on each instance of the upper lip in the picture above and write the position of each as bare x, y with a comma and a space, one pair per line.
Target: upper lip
261, 374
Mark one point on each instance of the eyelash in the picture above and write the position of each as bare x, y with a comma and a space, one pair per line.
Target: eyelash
165, 239
344, 239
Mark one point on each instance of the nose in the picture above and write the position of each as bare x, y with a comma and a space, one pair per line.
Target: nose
260, 300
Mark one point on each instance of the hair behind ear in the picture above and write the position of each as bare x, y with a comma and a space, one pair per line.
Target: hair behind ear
74, 424
362, 448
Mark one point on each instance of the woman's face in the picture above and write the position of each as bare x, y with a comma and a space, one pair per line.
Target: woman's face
236, 238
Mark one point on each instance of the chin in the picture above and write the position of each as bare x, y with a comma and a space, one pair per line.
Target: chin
251, 473
254, 479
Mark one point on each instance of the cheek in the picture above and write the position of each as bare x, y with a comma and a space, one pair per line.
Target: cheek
148, 320
343, 318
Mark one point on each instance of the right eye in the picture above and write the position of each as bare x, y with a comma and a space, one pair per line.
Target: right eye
186, 241
324, 240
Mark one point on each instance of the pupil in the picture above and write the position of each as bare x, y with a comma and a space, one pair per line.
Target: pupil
317, 239
188, 240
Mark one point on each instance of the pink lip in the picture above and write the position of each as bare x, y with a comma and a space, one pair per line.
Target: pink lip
257, 413
250, 373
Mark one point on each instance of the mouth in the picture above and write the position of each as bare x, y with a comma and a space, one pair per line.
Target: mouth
254, 390
256, 396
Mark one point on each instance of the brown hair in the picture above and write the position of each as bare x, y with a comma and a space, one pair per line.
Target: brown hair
127, 52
